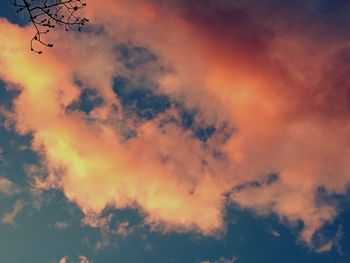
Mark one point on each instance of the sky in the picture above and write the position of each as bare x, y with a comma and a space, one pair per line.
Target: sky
205, 131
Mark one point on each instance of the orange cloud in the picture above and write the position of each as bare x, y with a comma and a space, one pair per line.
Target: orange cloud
255, 77
88, 160
260, 79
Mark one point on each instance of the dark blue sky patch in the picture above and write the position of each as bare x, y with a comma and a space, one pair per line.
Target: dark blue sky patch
277, 242
134, 56
147, 105
187, 118
89, 99
322, 196
94, 29
249, 237
7, 95
336, 230
332, 11
138, 91
200, 130
204, 133
142, 101
35, 239
16, 146
188, 121
8, 11
139, 96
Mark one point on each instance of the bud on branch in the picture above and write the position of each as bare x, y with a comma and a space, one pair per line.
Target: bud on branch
47, 14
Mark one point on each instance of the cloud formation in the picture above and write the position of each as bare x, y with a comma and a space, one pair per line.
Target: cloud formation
281, 85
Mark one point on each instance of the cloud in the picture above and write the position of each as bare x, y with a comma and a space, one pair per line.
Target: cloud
222, 260
274, 232
161, 183
7, 187
9, 218
124, 229
61, 224
323, 244
83, 259
282, 87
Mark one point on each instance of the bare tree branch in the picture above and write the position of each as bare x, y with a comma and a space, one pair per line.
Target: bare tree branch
47, 14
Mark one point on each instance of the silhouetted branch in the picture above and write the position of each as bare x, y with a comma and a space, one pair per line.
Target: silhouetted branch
46, 14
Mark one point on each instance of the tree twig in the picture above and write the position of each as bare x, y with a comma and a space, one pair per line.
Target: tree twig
47, 14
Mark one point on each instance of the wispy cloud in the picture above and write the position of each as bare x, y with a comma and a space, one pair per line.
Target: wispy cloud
326, 244
61, 224
9, 218
82, 259
222, 260
124, 229
7, 187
